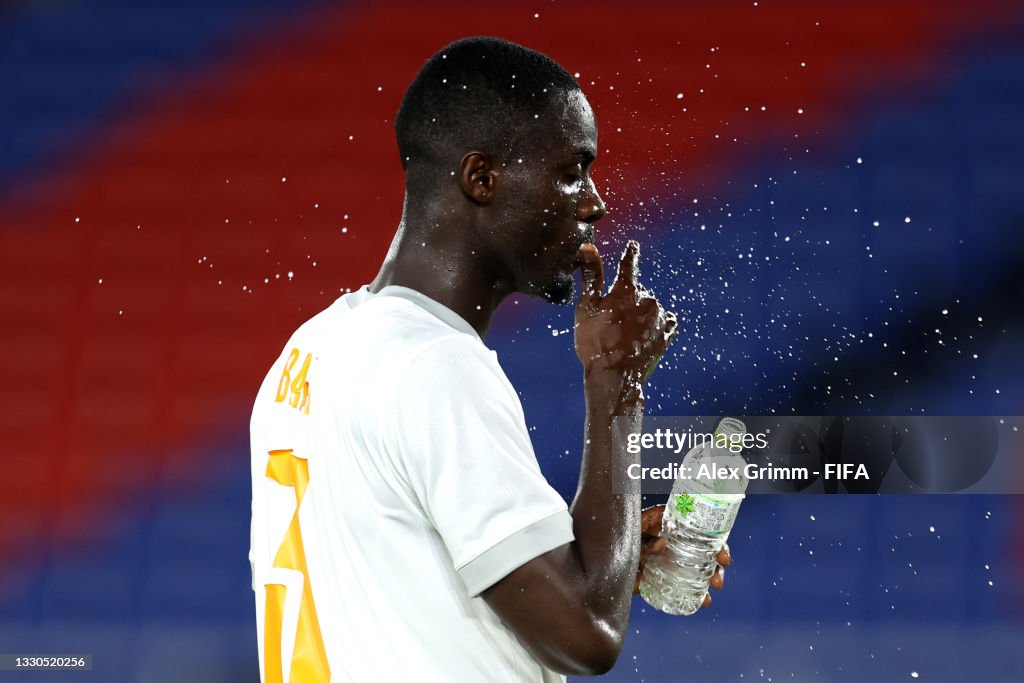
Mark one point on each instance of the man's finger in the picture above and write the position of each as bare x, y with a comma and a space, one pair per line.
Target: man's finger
593, 273
650, 519
671, 328
718, 579
723, 557
652, 545
628, 265
707, 600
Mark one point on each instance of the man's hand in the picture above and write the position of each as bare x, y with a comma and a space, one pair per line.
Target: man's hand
652, 543
625, 330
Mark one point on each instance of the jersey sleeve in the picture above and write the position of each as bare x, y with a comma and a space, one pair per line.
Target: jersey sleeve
458, 429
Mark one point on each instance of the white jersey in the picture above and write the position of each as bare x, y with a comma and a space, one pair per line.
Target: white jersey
393, 481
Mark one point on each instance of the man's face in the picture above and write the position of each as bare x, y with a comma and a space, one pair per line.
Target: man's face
550, 199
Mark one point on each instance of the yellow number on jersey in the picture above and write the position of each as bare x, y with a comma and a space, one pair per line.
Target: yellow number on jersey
309, 659
298, 386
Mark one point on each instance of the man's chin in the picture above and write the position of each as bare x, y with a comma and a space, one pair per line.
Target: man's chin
561, 290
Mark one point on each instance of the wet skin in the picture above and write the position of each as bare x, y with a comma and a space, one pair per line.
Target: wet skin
500, 223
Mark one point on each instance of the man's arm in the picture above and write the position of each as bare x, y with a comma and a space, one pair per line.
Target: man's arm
570, 606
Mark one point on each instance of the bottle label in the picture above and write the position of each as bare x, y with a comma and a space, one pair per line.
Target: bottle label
712, 515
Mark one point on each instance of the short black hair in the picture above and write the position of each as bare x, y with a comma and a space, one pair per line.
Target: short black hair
472, 92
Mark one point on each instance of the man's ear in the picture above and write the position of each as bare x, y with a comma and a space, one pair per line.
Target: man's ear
478, 177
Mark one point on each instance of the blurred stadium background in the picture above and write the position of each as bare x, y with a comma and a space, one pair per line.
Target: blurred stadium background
831, 194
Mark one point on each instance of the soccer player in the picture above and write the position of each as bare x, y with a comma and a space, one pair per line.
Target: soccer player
401, 527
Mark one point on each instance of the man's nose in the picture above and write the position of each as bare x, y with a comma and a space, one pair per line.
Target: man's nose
591, 207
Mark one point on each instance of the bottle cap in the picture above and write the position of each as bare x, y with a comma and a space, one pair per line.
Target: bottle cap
729, 426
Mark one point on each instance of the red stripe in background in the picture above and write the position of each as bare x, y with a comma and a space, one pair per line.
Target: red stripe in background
181, 211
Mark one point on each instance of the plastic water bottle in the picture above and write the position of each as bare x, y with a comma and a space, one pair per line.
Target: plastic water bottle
698, 517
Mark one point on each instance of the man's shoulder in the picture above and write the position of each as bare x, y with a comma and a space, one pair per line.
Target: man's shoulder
391, 344
385, 330
376, 318
397, 323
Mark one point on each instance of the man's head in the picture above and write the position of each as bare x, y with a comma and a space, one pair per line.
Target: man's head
501, 138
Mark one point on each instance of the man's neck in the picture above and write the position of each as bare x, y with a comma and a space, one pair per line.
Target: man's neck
449, 273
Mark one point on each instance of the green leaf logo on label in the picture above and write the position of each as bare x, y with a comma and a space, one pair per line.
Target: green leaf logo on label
684, 504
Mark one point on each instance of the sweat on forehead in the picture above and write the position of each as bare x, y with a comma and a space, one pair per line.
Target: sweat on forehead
478, 91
